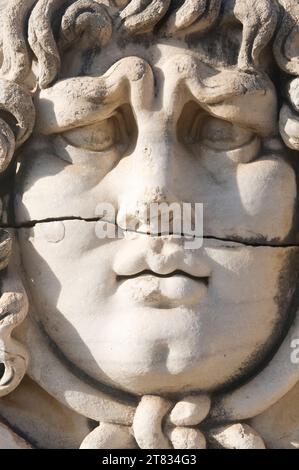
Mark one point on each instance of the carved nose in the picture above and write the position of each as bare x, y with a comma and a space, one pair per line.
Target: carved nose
146, 211
150, 190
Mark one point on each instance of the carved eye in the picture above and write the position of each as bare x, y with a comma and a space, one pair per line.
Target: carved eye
96, 137
105, 140
220, 135
229, 140
211, 137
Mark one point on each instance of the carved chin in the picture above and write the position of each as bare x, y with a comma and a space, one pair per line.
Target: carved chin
166, 369
159, 360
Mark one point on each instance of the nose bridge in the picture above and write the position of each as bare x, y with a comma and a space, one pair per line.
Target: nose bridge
152, 167
153, 160
152, 163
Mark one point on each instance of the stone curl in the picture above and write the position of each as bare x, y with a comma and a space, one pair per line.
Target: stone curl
286, 53
17, 119
94, 20
83, 16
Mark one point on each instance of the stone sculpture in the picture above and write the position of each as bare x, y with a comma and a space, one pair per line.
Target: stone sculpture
136, 341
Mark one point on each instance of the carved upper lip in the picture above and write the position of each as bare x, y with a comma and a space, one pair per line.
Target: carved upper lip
148, 262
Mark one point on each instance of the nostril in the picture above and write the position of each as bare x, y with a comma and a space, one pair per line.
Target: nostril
131, 223
131, 217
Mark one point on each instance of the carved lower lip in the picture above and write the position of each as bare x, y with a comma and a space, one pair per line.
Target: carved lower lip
163, 290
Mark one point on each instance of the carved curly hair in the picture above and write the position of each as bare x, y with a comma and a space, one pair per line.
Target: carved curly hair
39, 31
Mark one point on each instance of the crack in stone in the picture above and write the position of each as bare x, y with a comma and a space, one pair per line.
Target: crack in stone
240, 241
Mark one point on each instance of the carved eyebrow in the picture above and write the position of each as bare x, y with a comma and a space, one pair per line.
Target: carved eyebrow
236, 96
246, 99
83, 100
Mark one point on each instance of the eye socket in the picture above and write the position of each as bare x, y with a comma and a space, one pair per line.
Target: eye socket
105, 140
211, 137
220, 135
196, 126
96, 137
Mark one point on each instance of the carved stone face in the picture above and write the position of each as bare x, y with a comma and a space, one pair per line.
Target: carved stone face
142, 313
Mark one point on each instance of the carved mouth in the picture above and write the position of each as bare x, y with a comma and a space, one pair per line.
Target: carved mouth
148, 272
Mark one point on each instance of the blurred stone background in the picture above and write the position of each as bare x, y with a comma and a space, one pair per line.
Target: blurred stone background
3, 3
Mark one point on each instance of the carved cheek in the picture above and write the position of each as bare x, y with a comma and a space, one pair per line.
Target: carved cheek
268, 191
47, 188
53, 232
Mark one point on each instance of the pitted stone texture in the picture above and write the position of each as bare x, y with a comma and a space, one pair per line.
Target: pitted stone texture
187, 438
109, 436
190, 411
237, 436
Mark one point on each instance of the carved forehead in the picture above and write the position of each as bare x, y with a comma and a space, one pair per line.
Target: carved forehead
77, 61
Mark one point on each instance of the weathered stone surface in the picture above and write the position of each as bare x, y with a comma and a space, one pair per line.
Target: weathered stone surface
237, 436
187, 438
109, 436
116, 329
191, 411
